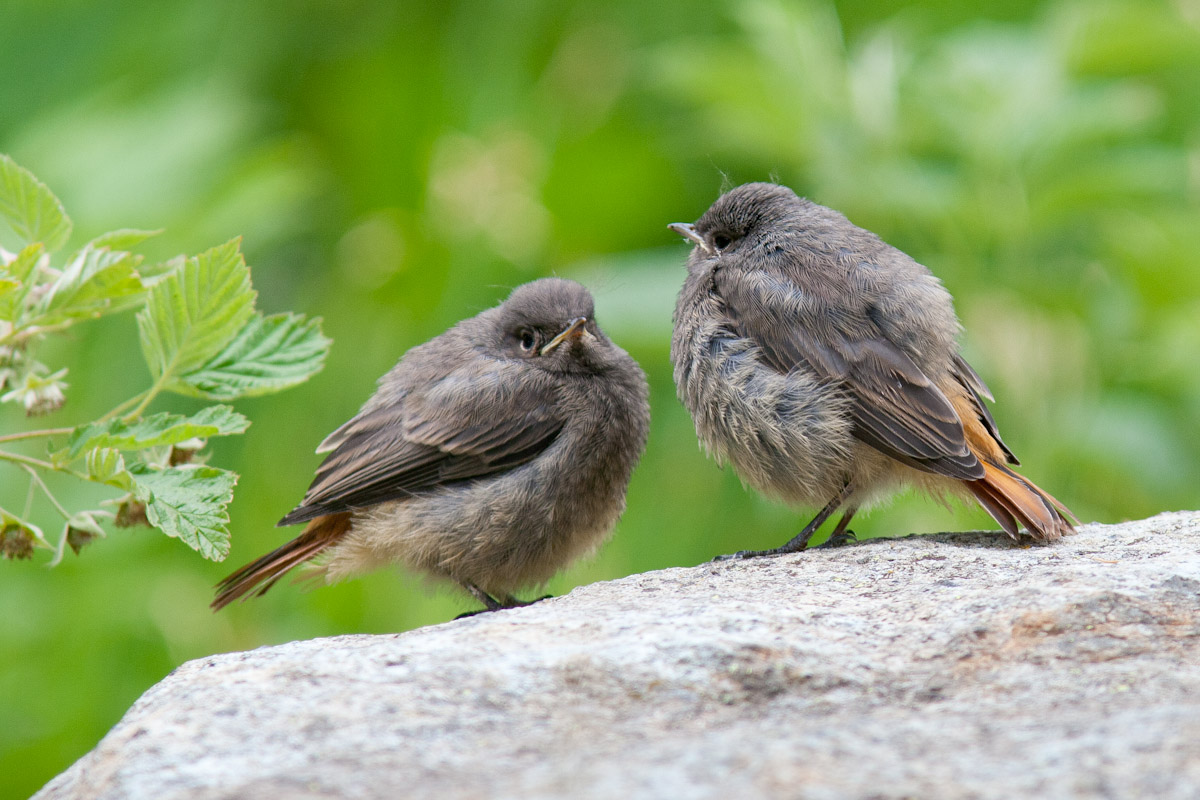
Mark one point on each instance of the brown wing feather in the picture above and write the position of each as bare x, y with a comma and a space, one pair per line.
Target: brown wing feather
976, 391
466, 425
897, 409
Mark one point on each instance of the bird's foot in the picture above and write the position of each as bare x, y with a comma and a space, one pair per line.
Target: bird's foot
493, 604
512, 602
744, 554
466, 614
840, 539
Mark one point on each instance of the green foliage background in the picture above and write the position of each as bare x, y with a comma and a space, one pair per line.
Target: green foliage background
395, 167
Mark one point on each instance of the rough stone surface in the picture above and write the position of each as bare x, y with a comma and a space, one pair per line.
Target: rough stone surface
953, 665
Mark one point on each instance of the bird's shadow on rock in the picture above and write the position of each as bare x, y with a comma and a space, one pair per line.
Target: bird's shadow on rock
981, 540
988, 540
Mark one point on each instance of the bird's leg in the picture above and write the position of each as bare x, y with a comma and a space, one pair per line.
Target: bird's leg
490, 603
799, 541
840, 535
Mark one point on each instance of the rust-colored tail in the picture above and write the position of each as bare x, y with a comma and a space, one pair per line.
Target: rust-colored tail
319, 534
1015, 501
1012, 500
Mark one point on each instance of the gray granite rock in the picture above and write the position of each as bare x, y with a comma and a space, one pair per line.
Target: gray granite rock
954, 665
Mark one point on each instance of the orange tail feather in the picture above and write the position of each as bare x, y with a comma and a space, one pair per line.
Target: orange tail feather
319, 534
1015, 501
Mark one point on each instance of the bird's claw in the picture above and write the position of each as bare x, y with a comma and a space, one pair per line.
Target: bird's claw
744, 554
509, 602
838, 540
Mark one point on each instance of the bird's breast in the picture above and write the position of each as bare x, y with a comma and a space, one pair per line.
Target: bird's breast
789, 435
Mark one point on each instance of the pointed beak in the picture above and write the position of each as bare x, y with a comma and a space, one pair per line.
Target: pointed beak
688, 231
573, 330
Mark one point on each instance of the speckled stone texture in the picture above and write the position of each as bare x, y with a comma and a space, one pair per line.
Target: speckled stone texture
945, 666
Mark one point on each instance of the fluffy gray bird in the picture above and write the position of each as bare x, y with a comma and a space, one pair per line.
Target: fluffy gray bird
823, 364
492, 455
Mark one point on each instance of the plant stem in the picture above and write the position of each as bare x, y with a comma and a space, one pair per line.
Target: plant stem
149, 395
46, 490
17, 458
16, 437
29, 499
137, 398
23, 334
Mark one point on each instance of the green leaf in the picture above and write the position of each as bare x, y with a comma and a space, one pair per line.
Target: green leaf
106, 465
189, 503
22, 271
7, 286
195, 311
153, 274
268, 355
155, 430
30, 208
123, 239
92, 282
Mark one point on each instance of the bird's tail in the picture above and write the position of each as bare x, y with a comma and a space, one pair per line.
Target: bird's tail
319, 534
1015, 501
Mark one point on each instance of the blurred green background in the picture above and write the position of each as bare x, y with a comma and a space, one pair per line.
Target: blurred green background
395, 167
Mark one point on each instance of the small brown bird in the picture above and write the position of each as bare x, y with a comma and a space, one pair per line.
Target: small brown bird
823, 364
492, 456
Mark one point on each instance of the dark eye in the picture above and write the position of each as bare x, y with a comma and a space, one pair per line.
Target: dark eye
528, 339
721, 241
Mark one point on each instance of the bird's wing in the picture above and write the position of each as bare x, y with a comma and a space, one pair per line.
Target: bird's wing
897, 409
475, 421
976, 391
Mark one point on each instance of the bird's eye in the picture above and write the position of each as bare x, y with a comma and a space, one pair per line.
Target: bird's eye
528, 339
721, 241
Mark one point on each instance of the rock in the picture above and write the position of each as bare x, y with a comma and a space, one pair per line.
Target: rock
951, 665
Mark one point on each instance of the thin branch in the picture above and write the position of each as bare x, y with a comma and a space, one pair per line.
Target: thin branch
16, 437
25, 333
151, 393
29, 499
17, 458
120, 409
46, 490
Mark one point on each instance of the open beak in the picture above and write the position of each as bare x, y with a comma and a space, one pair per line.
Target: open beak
573, 330
688, 231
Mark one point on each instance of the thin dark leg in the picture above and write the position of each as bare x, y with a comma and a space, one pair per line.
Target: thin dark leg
840, 535
799, 541
490, 603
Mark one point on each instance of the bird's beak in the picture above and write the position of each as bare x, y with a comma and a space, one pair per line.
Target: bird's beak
573, 330
688, 231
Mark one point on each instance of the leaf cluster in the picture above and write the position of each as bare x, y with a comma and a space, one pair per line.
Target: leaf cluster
201, 337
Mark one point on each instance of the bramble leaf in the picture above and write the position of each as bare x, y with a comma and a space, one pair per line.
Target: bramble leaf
32, 210
269, 354
92, 282
20, 271
153, 274
195, 311
155, 430
189, 504
123, 239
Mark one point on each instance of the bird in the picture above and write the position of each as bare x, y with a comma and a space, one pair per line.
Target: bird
823, 364
490, 456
